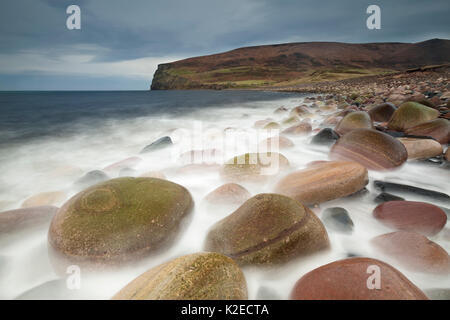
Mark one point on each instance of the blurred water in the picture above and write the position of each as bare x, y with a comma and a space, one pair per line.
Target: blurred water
50, 139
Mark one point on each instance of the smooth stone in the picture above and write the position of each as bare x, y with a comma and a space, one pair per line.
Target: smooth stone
438, 129
158, 144
324, 181
373, 149
410, 114
262, 123
51, 290
118, 220
91, 178
352, 121
421, 217
382, 112
325, 136
291, 120
413, 251
384, 197
447, 154
421, 148
44, 199
268, 229
254, 167
403, 188
348, 280
275, 143
228, 194
337, 219
438, 293
198, 276
300, 111
298, 129
26, 218
281, 109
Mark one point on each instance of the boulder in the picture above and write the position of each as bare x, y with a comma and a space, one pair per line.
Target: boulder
326, 136
198, 276
410, 114
26, 218
413, 251
350, 279
382, 112
299, 129
373, 149
161, 143
268, 229
354, 120
118, 220
421, 148
228, 194
438, 129
337, 219
44, 199
324, 181
421, 217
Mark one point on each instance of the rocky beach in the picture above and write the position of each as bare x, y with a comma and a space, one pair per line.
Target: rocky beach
361, 181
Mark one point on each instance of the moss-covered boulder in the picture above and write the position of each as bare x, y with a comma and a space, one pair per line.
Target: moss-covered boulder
253, 167
354, 120
118, 220
199, 276
410, 114
267, 229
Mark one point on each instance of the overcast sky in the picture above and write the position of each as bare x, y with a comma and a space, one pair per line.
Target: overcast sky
121, 42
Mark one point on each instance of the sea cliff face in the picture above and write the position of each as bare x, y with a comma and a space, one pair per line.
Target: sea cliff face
282, 65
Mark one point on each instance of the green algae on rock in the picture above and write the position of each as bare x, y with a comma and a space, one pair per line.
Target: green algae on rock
118, 220
268, 229
198, 276
410, 114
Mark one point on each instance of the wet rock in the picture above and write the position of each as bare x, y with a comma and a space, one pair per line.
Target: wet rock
373, 149
447, 154
118, 220
266, 229
410, 114
298, 129
300, 111
348, 280
44, 199
261, 123
274, 143
26, 218
413, 251
91, 178
382, 112
254, 166
199, 276
438, 129
323, 181
325, 136
281, 109
158, 144
291, 120
354, 120
228, 194
421, 148
337, 219
384, 197
438, 293
421, 217
403, 188
51, 290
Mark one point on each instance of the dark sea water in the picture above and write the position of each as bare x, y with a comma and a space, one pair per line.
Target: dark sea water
30, 115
